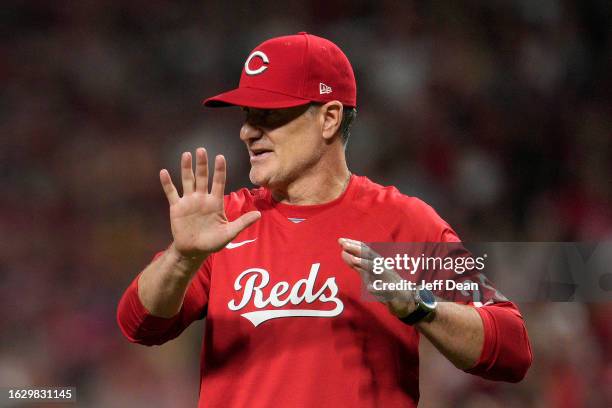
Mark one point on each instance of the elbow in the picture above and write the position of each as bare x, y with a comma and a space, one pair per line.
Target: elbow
134, 320
507, 354
145, 329
128, 330
131, 328
521, 366
135, 334
511, 373
518, 363
517, 374
516, 360
523, 357
145, 341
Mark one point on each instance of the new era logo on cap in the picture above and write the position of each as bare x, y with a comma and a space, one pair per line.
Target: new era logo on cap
289, 71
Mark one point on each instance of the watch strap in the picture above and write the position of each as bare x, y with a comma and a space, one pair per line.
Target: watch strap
416, 316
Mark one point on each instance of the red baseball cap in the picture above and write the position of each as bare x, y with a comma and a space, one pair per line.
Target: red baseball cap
290, 71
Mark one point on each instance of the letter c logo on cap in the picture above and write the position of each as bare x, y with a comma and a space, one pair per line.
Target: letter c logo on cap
259, 70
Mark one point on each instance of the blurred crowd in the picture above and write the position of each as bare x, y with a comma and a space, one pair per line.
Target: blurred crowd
497, 113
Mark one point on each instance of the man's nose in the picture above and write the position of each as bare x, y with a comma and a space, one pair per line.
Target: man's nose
248, 132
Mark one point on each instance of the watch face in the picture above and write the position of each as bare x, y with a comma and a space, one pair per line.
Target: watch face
427, 297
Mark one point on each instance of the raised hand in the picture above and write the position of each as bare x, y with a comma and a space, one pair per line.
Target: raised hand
360, 257
199, 224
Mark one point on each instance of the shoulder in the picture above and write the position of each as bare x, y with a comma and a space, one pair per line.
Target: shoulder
385, 198
410, 217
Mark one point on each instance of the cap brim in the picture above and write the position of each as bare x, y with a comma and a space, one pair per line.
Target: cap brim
254, 98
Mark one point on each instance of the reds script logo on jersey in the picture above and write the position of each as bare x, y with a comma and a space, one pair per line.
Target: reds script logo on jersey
253, 280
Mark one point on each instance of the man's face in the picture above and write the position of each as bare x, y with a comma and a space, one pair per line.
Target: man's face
282, 143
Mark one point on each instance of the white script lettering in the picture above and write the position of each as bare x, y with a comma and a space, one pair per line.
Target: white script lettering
253, 280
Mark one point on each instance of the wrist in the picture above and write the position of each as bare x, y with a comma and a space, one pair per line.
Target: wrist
402, 305
186, 264
425, 304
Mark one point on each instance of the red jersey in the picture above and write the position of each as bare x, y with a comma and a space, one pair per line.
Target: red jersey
287, 324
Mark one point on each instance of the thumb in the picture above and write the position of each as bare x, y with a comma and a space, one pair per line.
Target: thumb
243, 222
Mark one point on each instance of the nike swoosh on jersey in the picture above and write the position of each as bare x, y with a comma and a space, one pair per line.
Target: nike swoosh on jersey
233, 245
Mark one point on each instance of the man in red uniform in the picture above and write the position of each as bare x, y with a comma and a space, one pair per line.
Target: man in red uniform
280, 285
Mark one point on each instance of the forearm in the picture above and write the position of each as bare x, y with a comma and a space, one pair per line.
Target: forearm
490, 341
457, 332
163, 284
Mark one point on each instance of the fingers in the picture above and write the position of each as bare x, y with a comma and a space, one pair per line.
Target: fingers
218, 186
367, 277
168, 186
187, 174
360, 258
357, 248
351, 260
357, 253
243, 222
355, 262
201, 172
198, 181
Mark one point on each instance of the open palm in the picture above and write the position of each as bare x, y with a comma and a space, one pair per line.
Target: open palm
198, 221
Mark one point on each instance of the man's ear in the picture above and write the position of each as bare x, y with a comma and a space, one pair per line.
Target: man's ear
331, 118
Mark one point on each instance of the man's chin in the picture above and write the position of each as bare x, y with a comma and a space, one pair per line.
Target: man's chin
258, 178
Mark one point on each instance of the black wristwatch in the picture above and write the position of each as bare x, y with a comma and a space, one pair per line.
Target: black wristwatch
425, 305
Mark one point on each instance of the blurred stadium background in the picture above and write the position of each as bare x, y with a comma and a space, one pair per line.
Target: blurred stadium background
498, 113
